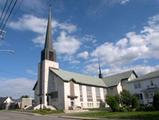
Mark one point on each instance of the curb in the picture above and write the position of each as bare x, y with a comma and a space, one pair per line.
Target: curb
25, 113
79, 118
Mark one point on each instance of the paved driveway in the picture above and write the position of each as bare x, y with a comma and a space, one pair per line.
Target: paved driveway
7, 115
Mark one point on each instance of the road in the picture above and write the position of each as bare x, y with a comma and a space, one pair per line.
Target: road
8, 115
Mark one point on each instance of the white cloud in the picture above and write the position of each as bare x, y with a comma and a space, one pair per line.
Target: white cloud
30, 23
132, 47
68, 27
16, 87
106, 71
139, 69
124, 1
119, 56
83, 55
67, 44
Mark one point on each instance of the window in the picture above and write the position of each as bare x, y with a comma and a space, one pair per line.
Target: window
89, 93
149, 95
81, 94
104, 92
152, 83
139, 96
98, 94
54, 94
72, 92
137, 85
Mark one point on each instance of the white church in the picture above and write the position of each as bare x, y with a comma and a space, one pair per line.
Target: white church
60, 89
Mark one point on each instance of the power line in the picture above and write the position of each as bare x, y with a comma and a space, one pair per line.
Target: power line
4, 9
3, 19
9, 15
6, 18
19, 6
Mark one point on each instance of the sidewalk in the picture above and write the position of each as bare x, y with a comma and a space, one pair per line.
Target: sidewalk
79, 118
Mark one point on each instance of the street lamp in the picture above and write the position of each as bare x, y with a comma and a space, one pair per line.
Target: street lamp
9, 51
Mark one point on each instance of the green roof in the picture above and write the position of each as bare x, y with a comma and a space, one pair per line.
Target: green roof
114, 80
150, 75
79, 78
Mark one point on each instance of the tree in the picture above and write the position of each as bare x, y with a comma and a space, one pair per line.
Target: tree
25, 96
126, 98
156, 101
113, 103
134, 102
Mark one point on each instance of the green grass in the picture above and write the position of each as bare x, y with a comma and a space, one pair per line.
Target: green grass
47, 111
121, 115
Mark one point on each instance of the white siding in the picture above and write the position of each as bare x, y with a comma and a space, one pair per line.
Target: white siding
144, 85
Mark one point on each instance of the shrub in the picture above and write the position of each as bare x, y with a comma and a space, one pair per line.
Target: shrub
145, 108
156, 101
124, 109
113, 103
126, 98
134, 102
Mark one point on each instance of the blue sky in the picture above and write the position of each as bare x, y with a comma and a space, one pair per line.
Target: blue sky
124, 34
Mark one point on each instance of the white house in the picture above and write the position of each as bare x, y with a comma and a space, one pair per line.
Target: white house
5, 102
117, 82
145, 87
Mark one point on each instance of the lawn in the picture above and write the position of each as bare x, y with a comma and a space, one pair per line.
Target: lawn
47, 111
120, 115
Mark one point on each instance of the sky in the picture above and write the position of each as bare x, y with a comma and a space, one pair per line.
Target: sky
123, 34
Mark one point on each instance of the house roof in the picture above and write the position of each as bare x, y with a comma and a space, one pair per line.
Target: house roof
78, 78
150, 75
2, 99
114, 80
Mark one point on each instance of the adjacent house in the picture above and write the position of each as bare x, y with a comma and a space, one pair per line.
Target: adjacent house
6, 103
117, 82
145, 87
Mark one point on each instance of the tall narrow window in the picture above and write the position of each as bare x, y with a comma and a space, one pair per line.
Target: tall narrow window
98, 94
81, 94
89, 93
104, 92
72, 92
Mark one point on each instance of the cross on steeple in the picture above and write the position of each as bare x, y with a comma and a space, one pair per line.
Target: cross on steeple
48, 53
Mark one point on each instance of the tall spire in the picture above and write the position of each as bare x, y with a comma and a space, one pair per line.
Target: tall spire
100, 71
48, 53
48, 39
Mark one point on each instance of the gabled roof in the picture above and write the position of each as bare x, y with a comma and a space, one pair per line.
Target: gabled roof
2, 99
114, 80
150, 75
78, 78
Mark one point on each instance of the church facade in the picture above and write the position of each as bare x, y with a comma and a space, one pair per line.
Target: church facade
60, 89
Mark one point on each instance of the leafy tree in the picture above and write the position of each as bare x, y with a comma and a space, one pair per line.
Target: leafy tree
156, 101
126, 98
134, 102
113, 103
117, 97
25, 96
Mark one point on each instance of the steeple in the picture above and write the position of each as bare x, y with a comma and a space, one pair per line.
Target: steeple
100, 71
48, 39
48, 53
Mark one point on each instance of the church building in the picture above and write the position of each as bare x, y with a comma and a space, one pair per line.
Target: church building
60, 89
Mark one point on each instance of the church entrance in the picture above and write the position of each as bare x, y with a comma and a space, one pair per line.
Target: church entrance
72, 103
72, 96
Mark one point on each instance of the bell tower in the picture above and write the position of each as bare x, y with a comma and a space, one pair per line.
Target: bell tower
48, 60
48, 53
